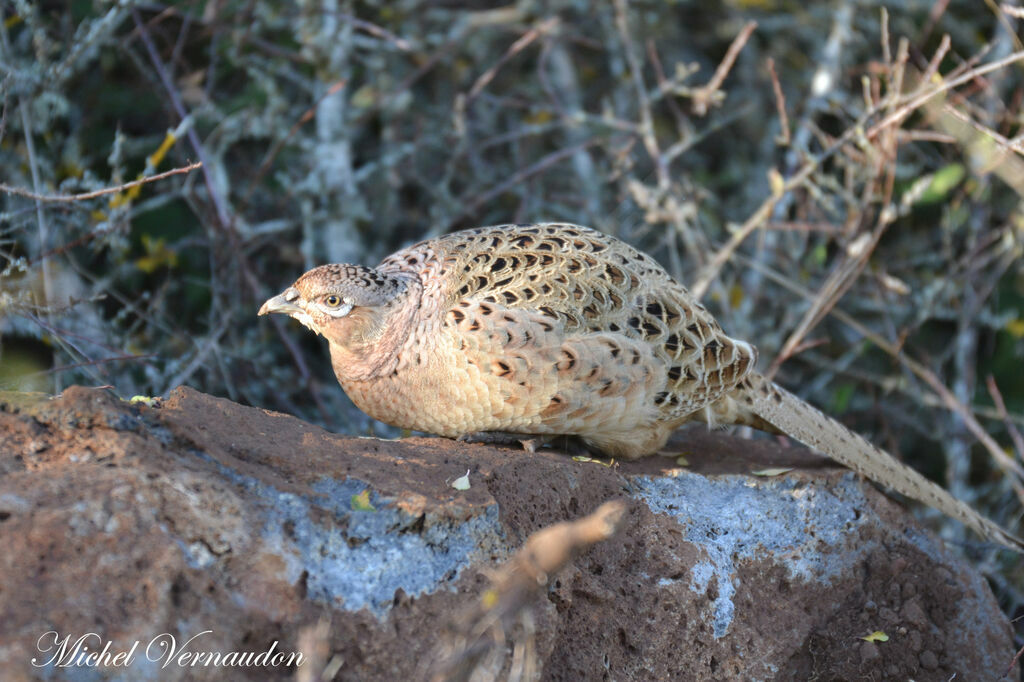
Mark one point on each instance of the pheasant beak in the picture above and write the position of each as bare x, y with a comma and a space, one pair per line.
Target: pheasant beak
284, 302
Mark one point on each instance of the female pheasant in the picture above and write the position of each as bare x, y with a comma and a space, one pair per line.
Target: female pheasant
556, 329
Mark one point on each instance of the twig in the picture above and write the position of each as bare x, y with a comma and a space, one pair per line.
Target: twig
710, 271
924, 136
518, 46
780, 104
1009, 27
424, 68
200, 356
531, 170
179, 109
682, 126
87, 363
889, 384
646, 127
997, 399
314, 641
1006, 144
759, 217
1015, 12
915, 101
886, 50
223, 216
936, 60
66, 341
100, 192
279, 144
3, 110
937, 10
704, 96
67, 246
481, 630
43, 225
858, 252
179, 44
1014, 471
802, 226
376, 31
1017, 657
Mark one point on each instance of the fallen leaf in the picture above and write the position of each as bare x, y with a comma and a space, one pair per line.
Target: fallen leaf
361, 502
772, 471
584, 458
462, 482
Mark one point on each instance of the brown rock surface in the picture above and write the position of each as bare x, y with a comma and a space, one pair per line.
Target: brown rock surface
203, 515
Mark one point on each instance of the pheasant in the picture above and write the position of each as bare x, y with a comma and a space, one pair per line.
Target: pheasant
556, 329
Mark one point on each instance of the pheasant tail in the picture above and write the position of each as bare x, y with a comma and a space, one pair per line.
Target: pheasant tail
811, 427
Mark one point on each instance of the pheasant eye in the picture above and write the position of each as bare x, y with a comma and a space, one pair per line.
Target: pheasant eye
333, 301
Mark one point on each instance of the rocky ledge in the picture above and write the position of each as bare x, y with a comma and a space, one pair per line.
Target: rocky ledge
193, 536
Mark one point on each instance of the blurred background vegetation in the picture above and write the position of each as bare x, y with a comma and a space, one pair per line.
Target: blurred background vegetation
868, 241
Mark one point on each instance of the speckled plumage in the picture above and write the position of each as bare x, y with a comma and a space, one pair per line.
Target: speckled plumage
554, 329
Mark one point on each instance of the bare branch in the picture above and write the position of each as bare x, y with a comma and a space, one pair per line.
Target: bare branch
646, 127
854, 131
997, 398
916, 100
780, 105
18, 191
1013, 470
546, 26
709, 94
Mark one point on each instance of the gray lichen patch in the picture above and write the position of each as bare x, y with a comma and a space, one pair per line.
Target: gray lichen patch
782, 520
352, 558
362, 558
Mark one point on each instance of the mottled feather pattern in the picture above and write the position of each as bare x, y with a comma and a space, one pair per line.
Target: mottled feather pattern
582, 283
556, 329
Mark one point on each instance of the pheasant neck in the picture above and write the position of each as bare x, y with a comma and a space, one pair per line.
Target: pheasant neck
372, 351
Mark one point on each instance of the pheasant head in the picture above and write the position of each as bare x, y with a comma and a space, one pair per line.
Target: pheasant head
363, 314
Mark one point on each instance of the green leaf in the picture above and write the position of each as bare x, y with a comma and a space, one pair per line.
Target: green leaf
841, 398
361, 502
944, 181
819, 255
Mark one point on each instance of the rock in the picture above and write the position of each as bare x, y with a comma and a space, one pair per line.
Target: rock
253, 532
